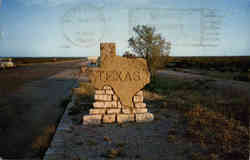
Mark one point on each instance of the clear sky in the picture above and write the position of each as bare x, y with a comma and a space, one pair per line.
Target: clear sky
67, 28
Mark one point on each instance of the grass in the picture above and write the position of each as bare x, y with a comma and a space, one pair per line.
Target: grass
91, 142
184, 95
42, 142
233, 68
227, 75
85, 93
163, 86
31, 60
216, 119
65, 102
222, 136
219, 63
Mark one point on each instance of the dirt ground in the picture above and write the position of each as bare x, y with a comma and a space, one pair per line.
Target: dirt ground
145, 141
30, 101
166, 138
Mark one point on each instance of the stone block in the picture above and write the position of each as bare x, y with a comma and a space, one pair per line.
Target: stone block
112, 104
92, 119
138, 98
119, 105
109, 118
107, 87
103, 97
113, 111
107, 50
99, 104
100, 91
128, 110
97, 111
121, 118
141, 110
140, 93
144, 117
78, 91
110, 92
115, 98
140, 105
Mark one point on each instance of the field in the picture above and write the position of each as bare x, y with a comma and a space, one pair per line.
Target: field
234, 68
236, 62
210, 92
214, 116
30, 60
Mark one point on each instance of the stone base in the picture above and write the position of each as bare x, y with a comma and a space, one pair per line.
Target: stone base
109, 118
119, 118
92, 119
144, 117
107, 108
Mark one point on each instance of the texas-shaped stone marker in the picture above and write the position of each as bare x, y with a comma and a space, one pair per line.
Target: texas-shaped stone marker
126, 76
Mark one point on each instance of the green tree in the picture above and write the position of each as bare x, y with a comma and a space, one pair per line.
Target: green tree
150, 45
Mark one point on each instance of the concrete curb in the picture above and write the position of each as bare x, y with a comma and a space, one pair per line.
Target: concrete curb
57, 147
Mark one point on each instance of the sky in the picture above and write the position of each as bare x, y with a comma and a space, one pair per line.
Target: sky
75, 28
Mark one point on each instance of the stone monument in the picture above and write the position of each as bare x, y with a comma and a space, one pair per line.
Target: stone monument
118, 83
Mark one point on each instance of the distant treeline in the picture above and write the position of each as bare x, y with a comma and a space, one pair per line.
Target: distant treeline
242, 62
27, 60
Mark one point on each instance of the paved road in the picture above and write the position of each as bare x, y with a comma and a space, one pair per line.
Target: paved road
33, 107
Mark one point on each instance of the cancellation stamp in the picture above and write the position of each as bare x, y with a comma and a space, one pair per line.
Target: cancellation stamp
83, 26
175, 24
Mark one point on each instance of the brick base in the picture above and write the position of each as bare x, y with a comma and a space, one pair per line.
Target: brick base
108, 109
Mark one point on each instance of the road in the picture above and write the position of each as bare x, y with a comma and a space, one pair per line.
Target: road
33, 104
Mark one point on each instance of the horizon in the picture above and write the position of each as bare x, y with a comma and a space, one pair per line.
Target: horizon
74, 28
121, 55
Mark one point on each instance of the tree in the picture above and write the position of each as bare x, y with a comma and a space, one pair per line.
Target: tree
149, 45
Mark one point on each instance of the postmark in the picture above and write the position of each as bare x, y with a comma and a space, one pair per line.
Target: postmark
175, 24
84, 25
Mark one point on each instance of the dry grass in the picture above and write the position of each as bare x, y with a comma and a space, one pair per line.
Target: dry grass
184, 95
223, 137
216, 119
84, 93
84, 97
42, 142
